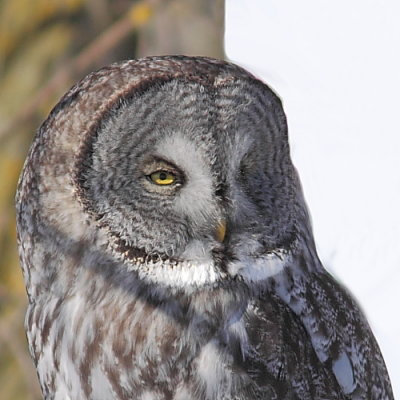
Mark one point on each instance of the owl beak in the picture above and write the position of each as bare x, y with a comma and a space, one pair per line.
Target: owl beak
220, 231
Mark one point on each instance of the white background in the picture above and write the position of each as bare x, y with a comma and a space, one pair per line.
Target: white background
336, 66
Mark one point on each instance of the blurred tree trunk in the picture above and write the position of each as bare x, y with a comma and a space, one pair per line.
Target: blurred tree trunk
190, 27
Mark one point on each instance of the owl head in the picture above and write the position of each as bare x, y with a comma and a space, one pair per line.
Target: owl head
177, 167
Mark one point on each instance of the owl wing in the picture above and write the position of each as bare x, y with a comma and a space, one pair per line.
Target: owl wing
282, 360
338, 332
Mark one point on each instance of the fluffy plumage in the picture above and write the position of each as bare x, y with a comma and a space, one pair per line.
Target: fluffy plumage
131, 295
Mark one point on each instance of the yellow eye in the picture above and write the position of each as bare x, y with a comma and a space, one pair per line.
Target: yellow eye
162, 178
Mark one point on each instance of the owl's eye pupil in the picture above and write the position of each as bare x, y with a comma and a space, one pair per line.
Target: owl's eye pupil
163, 176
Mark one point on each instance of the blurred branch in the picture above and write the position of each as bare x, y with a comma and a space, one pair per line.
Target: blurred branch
137, 16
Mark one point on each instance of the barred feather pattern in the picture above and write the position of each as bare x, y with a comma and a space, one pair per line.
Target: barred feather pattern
234, 348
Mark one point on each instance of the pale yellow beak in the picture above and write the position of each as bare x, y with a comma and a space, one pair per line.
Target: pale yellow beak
220, 231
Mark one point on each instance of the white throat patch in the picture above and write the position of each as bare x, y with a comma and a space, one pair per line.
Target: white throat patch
256, 269
179, 275
205, 273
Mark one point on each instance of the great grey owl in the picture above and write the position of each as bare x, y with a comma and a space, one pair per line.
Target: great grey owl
167, 248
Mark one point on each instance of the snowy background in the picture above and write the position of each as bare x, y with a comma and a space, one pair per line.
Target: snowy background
336, 66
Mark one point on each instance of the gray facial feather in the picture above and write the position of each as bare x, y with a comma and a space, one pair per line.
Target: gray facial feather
132, 295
